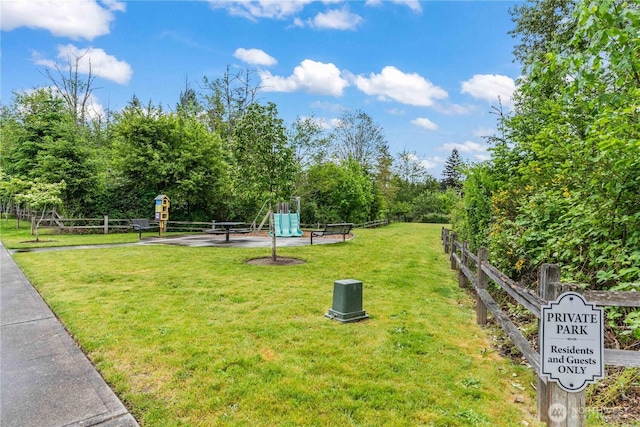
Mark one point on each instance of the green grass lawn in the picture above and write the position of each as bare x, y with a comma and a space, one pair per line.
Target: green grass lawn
197, 337
14, 238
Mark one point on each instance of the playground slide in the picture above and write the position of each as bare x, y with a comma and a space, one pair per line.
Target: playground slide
287, 225
276, 225
295, 225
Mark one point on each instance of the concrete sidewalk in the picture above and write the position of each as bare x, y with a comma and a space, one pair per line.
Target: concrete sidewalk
45, 379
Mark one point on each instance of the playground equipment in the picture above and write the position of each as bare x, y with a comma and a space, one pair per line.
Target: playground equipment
285, 222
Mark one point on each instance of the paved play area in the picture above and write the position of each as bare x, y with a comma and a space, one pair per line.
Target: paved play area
240, 240
199, 240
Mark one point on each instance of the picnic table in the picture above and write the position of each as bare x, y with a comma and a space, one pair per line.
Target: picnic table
228, 227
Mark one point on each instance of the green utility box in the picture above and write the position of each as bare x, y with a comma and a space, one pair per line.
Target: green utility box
347, 301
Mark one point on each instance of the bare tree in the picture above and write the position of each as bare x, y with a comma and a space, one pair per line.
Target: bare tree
228, 98
72, 86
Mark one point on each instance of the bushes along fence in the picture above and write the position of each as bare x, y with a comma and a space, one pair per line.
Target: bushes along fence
550, 288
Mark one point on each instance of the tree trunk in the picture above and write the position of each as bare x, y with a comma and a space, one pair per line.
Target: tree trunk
273, 235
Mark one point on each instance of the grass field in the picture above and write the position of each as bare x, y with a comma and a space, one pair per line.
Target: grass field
197, 337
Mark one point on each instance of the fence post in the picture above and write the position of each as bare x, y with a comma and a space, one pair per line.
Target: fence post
550, 395
445, 238
454, 239
462, 279
106, 224
483, 280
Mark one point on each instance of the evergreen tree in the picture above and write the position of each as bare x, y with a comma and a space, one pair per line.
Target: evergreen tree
452, 177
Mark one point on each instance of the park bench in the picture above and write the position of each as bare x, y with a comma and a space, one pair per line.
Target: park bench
333, 230
141, 224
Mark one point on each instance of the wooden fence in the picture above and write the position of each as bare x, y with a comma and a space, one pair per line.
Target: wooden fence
106, 225
476, 270
368, 224
372, 224
90, 225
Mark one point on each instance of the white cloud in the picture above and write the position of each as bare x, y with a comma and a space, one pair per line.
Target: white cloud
328, 106
479, 151
285, 9
78, 19
454, 109
310, 76
466, 147
425, 123
431, 162
411, 4
93, 60
396, 85
115, 5
336, 20
322, 123
95, 109
482, 132
39, 60
255, 57
274, 9
489, 87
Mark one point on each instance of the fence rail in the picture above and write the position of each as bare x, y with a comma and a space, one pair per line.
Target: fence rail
368, 224
550, 287
372, 224
106, 225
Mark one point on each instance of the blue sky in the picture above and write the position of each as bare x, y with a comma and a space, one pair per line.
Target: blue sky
428, 72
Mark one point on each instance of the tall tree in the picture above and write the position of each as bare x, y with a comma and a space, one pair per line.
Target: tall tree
173, 154
188, 104
357, 137
311, 145
408, 168
337, 193
35, 118
452, 174
46, 144
564, 181
539, 26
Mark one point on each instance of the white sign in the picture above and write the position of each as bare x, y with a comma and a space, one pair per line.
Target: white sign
572, 350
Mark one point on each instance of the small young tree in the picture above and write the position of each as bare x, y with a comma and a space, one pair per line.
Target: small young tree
357, 137
265, 161
41, 196
9, 189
